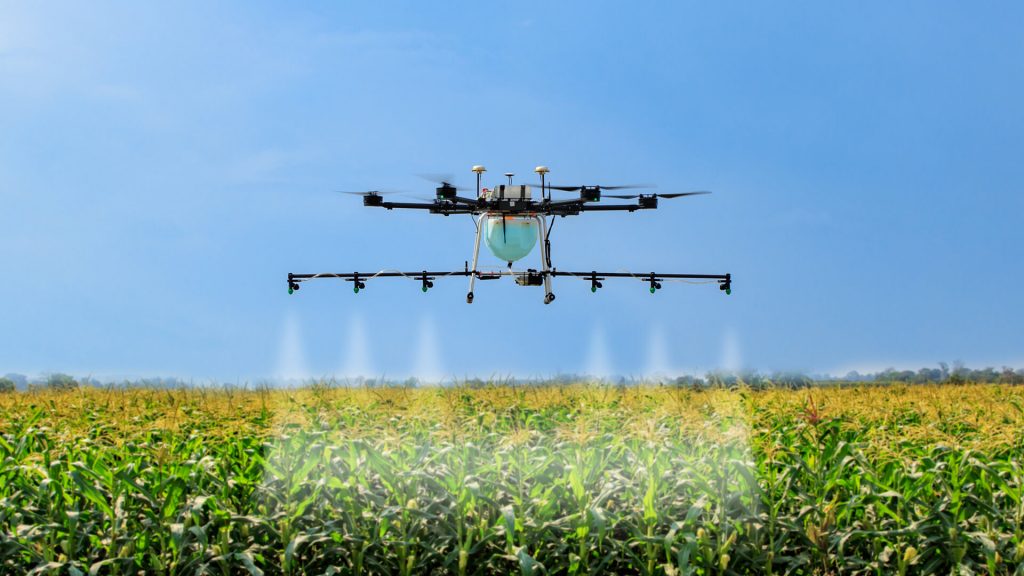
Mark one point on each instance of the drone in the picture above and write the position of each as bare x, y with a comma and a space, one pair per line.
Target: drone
512, 222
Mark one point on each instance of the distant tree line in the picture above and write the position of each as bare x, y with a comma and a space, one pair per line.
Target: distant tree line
753, 380
955, 374
56, 381
944, 373
61, 381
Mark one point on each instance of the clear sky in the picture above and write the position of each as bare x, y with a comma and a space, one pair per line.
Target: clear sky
163, 166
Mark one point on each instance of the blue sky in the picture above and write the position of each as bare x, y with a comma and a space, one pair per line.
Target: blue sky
162, 168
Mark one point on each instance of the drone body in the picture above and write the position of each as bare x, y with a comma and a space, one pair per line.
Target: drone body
512, 223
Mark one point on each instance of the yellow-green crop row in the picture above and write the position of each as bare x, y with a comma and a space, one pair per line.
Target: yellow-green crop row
575, 479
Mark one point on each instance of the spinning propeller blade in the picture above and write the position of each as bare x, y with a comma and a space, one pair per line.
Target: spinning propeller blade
578, 188
670, 195
625, 186
442, 179
562, 188
370, 192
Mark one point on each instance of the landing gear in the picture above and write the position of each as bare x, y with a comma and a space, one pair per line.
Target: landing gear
545, 258
476, 254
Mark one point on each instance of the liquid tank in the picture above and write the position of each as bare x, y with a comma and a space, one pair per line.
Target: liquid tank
512, 241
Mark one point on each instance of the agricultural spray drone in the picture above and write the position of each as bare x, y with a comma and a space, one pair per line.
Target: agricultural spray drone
512, 222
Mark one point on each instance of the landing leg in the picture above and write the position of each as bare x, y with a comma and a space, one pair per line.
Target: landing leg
476, 254
549, 296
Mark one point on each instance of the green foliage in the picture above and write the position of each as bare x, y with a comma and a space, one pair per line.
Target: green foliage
60, 381
503, 480
7, 385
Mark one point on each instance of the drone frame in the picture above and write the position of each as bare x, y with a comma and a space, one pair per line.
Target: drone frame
448, 202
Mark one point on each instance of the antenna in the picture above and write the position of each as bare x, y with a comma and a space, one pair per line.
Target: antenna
542, 170
509, 175
479, 172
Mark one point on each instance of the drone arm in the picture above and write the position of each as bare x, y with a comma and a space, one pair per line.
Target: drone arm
575, 206
467, 201
653, 278
612, 207
358, 279
426, 277
574, 202
561, 207
408, 205
445, 208
644, 275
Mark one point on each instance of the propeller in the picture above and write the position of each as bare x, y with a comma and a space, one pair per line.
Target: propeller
670, 195
424, 198
370, 192
442, 180
578, 188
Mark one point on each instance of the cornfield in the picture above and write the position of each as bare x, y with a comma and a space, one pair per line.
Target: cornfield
584, 479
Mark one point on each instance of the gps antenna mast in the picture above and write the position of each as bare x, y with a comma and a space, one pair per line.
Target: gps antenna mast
542, 170
479, 172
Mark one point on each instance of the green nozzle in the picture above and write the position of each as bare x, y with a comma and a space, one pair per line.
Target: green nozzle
728, 290
424, 288
653, 289
593, 288
356, 289
290, 291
